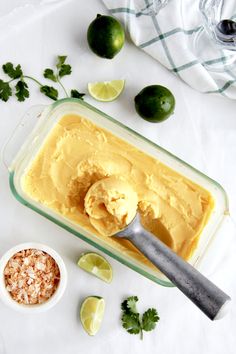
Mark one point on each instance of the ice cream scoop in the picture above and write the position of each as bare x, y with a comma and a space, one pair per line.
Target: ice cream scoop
111, 204
201, 291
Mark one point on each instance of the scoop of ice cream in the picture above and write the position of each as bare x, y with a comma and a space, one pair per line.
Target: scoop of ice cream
111, 204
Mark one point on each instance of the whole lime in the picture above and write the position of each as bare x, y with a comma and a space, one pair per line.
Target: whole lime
154, 103
105, 36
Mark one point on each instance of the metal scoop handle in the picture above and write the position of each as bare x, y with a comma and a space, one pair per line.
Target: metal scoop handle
201, 291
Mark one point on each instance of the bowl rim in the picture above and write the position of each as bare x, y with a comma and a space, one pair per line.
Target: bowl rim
53, 300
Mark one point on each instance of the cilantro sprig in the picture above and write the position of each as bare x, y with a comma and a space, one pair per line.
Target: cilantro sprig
55, 75
18, 86
133, 322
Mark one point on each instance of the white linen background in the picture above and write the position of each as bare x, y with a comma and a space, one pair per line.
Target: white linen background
202, 132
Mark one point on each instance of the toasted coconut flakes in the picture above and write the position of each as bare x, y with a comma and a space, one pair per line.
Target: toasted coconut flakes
31, 276
20, 283
30, 281
26, 261
40, 266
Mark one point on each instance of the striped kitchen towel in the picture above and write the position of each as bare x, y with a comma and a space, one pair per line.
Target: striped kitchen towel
169, 37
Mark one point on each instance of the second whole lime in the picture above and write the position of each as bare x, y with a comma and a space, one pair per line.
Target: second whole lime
155, 103
105, 36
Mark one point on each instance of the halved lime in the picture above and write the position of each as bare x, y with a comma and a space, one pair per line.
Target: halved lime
97, 265
91, 314
106, 91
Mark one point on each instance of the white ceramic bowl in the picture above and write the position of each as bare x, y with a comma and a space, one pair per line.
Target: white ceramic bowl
5, 295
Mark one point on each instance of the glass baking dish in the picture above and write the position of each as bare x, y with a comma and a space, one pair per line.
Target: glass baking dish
28, 138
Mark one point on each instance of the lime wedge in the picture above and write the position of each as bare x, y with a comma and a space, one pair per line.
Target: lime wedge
97, 265
106, 91
91, 314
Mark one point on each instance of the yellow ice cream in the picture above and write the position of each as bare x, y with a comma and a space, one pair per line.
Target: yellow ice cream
111, 204
96, 180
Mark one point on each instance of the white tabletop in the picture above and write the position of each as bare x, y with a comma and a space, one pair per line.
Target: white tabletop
202, 131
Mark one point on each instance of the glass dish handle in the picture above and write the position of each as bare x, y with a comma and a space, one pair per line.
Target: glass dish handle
16, 140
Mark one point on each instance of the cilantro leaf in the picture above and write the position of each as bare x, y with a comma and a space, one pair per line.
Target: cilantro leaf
49, 74
131, 304
65, 70
13, 73
60, 60
22, 91
150, 319
5, 91
77, 94
124, 306
131, 323
131, 319
49, 91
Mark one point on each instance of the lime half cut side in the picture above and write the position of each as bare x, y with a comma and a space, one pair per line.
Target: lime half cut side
106, 91
97, 265
91, 314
